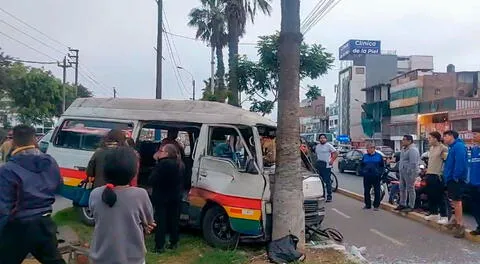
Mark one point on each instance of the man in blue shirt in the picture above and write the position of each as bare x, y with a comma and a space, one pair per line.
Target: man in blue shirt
475, 184
371, 169
455, 173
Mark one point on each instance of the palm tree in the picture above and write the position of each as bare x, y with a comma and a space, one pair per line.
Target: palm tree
209, 19
287, 192
237, 12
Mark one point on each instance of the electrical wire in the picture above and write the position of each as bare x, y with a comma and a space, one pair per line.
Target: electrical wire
314, 20
32, 37
32, 27
309, 18
28, 46
191, 38
30, 61
327, 8
174, 65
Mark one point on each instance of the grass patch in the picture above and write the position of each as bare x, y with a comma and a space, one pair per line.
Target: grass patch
192, 248
70, 217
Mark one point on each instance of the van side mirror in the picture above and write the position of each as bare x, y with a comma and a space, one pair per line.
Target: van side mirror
250, 167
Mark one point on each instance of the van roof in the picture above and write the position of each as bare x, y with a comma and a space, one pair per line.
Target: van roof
165, 110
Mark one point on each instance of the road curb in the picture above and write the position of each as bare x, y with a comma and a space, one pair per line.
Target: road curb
413, 216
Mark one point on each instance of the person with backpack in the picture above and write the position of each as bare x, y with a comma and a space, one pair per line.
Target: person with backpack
28, 184
123, 214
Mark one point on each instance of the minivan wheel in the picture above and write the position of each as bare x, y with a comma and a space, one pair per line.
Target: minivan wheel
86, 216
216, 229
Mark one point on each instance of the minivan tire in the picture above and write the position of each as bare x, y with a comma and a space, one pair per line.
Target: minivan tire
86, 216
215, 220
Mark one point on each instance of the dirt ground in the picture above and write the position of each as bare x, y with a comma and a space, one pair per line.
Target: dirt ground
314, 256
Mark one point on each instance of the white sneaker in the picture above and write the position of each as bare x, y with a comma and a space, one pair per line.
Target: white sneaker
443, 221
432, 217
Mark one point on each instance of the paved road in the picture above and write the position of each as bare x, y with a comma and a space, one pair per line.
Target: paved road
392, 239
354, 183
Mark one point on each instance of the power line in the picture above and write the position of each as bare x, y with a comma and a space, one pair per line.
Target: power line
308, 19
191, 38
32, 27
32, 37
174, 65
30, 61
313, 20
327, 8
26, 45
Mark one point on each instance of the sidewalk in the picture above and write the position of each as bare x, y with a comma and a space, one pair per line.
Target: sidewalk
413, 216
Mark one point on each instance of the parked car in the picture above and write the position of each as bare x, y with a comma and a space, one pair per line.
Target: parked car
45, 141
388, 151
343, 149
351, 161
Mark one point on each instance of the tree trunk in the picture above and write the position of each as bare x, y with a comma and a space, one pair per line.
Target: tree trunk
233, 40
220, 89
288, 215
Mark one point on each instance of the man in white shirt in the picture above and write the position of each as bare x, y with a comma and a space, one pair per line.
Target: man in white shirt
326, 155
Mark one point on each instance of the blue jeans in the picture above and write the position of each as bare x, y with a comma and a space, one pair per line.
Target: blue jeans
325, 174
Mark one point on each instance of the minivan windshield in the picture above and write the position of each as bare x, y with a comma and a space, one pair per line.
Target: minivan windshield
86, 134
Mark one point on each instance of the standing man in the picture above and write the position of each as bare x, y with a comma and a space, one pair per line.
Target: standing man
435, 186
326, 155
455, 175
5, 148
372, 167
475, 184
409, 160
28, 183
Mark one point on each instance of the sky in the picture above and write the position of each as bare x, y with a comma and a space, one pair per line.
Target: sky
116, 38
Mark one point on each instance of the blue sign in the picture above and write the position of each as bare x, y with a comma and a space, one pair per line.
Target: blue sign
358, 47
343, 138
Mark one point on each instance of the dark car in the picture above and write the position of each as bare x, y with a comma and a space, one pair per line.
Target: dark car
351, 160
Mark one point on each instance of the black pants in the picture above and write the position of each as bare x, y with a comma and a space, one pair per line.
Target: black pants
475, 194
37, 236
370, 182
436, 197
325, 174
167, 216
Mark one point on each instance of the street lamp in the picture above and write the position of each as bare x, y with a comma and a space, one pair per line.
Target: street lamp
193, 80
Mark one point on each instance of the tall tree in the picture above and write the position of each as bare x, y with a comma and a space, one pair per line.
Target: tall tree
237, 12
260, 80
34, 93
210, 21
313, 92
288, 215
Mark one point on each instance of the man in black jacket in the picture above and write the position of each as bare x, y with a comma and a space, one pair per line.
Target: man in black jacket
28, 183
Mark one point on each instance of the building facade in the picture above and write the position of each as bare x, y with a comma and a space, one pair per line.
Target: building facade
422, 101
332, 113
313, 117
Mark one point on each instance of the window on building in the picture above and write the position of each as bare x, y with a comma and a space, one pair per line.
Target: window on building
476, 125
336, 122
461, 93
360, 70
460, 125
437, 91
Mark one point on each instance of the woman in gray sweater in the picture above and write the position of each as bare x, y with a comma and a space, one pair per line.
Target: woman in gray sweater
123, 214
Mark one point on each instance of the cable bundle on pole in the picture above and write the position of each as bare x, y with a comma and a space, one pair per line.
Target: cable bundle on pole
321, 9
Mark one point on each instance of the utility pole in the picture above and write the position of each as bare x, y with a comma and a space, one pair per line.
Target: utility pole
158, 90
75, 51
114, 92
64, 66
193, 87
